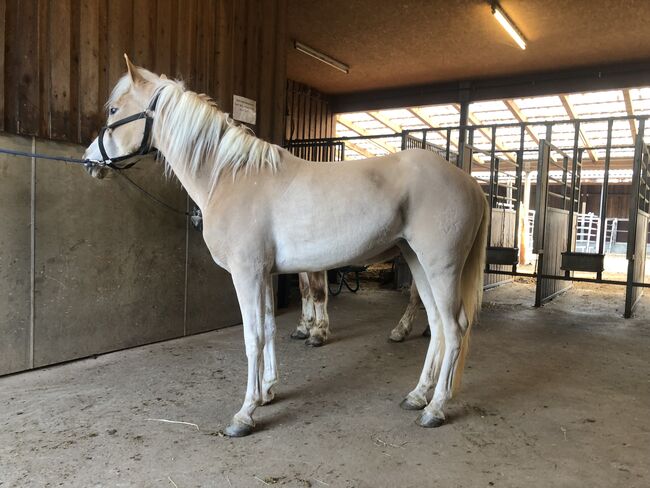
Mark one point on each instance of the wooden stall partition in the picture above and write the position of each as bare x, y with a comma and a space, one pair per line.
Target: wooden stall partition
637, 244
502, 235
549, 261
636, 266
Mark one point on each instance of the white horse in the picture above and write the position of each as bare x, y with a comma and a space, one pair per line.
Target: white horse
314, 324
263, 210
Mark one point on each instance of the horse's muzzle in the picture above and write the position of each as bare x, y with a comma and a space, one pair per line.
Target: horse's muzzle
95, 170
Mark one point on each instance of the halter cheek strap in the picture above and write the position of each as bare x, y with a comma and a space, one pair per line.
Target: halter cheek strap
145, 145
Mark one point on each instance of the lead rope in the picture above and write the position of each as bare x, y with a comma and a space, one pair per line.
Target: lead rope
195, 215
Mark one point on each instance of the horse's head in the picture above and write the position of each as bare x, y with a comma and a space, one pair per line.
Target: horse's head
130, 96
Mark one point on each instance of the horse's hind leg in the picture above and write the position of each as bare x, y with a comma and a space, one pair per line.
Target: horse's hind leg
417, 398
318, 287
403, 328
308, 314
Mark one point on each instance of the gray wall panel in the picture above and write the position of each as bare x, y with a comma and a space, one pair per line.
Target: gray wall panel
15, 257
211, 299
109, 262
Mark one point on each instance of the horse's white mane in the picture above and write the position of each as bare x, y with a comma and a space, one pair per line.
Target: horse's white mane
197, 133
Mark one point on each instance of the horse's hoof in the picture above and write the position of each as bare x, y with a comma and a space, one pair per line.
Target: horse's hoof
238, 429
427, 332
315, 341
395, 337
429, 420
408, 404
300, 335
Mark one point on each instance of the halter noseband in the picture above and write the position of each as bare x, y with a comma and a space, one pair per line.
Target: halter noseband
145, 145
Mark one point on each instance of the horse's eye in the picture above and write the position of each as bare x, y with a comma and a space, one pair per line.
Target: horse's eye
112, 110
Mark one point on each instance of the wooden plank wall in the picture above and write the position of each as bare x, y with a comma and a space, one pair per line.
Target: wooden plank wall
503, 235
59, 59
309, 115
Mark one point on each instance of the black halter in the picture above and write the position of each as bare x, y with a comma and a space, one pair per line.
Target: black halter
145, 145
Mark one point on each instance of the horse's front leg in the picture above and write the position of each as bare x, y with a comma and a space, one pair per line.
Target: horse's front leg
251, 292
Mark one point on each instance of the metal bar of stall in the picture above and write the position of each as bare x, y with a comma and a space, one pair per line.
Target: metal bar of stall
493, 175
448, 145
552, 122
604, 193
564, 278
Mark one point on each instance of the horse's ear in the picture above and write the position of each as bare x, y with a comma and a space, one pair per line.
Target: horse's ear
133, 71
163, 76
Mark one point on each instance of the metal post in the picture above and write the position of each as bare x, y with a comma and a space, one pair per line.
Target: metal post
447, 148
574, 170
517, 201
603, 194
634, 214
540, 209
462, 122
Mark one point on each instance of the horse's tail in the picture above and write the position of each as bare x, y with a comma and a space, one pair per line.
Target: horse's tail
471, 289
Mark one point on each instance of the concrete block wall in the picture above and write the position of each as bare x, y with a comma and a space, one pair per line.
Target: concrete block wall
89, 266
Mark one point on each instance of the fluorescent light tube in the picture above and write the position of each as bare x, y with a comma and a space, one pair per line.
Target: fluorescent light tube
508, 25
323, 58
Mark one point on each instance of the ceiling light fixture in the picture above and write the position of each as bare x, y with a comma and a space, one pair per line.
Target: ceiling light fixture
323, 58
508, 24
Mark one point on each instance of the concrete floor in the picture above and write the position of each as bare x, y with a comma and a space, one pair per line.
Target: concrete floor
552, 397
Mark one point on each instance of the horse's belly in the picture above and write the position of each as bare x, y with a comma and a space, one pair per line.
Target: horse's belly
335, 247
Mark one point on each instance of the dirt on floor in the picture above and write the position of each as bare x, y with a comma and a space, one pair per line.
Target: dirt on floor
556, 396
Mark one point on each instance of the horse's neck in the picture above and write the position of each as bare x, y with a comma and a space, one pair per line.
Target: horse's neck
196, 185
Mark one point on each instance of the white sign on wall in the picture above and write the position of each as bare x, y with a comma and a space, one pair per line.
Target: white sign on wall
244, 109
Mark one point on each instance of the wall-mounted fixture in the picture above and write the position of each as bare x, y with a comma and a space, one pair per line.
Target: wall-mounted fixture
323, 58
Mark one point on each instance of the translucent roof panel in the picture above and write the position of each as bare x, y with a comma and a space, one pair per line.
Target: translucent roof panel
535, 111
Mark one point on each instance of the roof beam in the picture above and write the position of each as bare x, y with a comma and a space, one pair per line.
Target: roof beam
424, 118
597, 77
486, 132
382, 119
517, 114
630, 111
359, 150
572, 115
363, 132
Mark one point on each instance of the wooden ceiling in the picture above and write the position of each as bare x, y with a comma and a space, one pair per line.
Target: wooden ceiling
396, 43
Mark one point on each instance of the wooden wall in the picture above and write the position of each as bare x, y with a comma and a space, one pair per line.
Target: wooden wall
309, 115
59, 59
